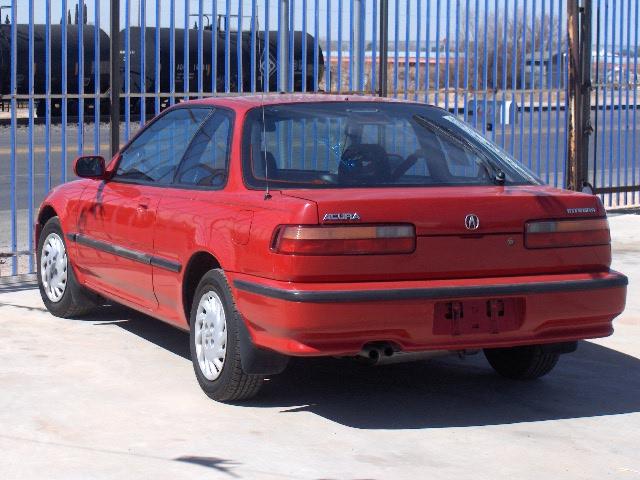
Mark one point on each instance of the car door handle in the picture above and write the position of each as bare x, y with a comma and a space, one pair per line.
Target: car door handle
142, 207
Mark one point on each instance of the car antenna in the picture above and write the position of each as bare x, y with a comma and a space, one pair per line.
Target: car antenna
267, 194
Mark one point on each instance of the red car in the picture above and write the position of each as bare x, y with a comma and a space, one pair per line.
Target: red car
317, 225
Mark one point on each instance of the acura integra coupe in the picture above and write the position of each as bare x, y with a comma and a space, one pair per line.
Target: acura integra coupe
319, 225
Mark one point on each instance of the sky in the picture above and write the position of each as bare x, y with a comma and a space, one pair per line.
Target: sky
421, 14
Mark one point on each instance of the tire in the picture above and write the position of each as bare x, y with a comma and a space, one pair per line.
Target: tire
215, 342
66, 298
522, 363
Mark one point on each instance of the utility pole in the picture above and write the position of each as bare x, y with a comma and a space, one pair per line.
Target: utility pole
384, 47
283, 45
358, 45
579, 93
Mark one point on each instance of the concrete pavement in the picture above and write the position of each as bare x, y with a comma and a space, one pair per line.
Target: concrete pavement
114, 396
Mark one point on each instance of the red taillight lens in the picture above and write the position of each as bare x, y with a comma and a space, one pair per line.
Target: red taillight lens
567, 233
344, 240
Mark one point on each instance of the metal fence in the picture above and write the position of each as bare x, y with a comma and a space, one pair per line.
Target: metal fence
81, 77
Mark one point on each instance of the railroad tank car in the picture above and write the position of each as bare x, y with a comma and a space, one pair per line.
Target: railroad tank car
214, 66
40, 65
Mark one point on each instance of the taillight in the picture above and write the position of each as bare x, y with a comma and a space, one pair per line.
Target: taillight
344, 239
567, 233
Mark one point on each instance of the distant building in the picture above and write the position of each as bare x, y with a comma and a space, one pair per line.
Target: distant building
552, 68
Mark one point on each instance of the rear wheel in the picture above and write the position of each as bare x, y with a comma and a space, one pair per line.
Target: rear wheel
522, 363
215, 342
61, 293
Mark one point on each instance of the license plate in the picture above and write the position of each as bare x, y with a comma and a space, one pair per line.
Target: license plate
466, 317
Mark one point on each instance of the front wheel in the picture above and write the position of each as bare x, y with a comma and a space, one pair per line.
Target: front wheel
60, 291
215, 342
522, 363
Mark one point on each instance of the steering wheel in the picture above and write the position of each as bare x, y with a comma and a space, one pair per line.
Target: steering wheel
209, 179
406, 164
362, 164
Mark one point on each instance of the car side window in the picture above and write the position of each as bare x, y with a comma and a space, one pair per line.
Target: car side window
206, 161
154, 156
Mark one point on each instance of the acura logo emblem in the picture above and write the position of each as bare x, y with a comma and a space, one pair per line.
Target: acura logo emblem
471, 221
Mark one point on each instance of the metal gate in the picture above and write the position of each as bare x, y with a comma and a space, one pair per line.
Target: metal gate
81, 76
613, 162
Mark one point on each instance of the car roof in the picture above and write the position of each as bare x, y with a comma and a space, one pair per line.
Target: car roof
246, 102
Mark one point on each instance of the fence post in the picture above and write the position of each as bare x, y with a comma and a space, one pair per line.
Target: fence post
358, 44
114, 98
579, 93
283, 45
384, 47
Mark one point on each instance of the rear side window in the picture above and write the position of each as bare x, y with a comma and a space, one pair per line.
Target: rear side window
369, 144
206, 161
154, 155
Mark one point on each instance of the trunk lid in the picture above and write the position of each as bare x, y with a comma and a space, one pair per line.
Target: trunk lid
445, 247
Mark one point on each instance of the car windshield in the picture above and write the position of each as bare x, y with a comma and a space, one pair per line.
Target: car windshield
370, 144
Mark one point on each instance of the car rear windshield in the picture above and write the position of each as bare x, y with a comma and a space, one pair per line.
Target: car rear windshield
370, 144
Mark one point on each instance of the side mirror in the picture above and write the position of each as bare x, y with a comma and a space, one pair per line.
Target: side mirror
90, 166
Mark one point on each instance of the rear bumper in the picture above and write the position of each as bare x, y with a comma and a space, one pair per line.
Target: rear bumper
315, 319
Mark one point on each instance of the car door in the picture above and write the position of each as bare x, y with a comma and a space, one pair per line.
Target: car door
115, 231
191, 207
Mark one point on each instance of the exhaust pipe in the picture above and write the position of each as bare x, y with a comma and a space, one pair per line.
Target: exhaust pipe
370, 353
385, 353
375, 353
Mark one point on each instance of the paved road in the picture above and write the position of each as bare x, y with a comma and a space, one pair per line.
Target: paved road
114, 396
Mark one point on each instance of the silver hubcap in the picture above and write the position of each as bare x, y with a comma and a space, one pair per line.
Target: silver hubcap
211, 335
53, 267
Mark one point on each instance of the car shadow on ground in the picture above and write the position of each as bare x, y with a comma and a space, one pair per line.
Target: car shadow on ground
154, 331
445, 392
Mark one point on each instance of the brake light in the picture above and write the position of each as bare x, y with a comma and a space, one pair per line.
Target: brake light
567, 233
344, 239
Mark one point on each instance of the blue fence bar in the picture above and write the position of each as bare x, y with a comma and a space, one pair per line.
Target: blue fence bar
13, 163
253, 44
485, 63
157, 60
172, 51
143, 61
239, 73
457, 58
96, 79
47, 127
549, 91
540, 93
500, 65
612, 110
63, 100
199, 78
437, 66
127, 70
316, 53
557, 163
635, 169
339, 72
514, 70
396, 48
80, 80
31, 127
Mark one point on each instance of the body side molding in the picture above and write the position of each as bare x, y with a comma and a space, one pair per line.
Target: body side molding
125, 252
